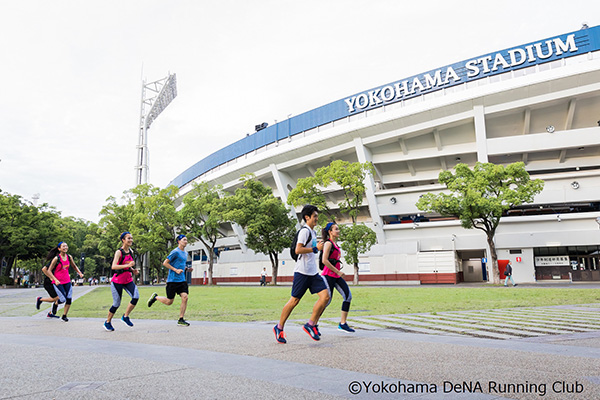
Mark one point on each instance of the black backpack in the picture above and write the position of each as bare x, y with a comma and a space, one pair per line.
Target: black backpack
295, 242
123, 254
333, 261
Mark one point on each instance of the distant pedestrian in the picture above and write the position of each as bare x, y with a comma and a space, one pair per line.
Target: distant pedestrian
508, 273
263, 277
124, 267
176, 280
306, 277
58, 273
332, 271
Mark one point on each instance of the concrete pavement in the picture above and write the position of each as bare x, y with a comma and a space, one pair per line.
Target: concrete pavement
45, 359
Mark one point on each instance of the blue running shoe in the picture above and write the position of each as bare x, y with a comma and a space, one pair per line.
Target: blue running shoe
345, 328
318, 331
126, 320
50, 315
108, 326
279, 335
312, 331
38, 302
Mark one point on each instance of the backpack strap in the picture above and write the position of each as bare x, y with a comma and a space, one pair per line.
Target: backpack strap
122, 256
120, 271
309, 235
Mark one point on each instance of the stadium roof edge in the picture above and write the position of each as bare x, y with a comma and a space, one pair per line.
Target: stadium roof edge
518, 57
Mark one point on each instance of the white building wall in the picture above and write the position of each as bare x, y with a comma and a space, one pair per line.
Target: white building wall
502, 121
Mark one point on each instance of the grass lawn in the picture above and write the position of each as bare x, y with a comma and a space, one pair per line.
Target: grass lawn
242, 303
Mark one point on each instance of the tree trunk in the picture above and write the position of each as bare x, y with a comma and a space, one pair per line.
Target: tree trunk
15, 271
210, 266
9, 263
274, 267
355, 274
494, 259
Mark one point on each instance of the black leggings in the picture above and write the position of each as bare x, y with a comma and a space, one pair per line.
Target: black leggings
341, 286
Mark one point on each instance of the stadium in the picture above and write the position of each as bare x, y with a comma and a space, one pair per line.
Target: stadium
538, 103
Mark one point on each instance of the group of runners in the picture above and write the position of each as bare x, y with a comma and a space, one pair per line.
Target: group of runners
57, 281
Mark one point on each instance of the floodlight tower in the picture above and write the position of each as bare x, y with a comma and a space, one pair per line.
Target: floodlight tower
156, 96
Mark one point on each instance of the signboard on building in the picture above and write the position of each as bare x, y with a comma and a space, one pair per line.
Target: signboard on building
552, 261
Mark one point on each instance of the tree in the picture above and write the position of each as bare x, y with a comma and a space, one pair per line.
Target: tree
26, 232
201, 218
350, 178
115, 219
269, 228
149, 214
358, 239
155, 223
307, 191
480, 196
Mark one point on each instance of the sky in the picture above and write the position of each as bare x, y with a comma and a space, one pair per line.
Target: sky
72, 74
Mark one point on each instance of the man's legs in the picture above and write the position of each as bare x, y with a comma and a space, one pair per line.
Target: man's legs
170, 289
287, 310
166, 301
319, 306
184, 300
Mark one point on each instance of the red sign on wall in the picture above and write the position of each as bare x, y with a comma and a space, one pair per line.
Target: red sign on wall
518, 259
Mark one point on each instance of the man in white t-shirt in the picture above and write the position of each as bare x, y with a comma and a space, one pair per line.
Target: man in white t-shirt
306, 277
263, 277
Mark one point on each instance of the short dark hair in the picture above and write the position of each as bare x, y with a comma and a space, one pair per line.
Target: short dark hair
307, 211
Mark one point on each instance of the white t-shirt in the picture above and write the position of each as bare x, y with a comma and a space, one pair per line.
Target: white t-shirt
307, 263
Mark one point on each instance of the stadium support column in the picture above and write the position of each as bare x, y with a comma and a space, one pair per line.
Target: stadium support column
365, 155
480, 133
283, 181
239, 233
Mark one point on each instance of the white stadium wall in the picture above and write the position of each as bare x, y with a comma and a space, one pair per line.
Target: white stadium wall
538, 103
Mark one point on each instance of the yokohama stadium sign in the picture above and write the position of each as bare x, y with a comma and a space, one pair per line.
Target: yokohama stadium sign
555, 48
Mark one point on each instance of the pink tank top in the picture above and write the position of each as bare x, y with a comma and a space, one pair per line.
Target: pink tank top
124, 277
335, 253
61, 271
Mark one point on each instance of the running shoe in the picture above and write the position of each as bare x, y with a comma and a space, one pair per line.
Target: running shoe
126, 320
38, 302
312, 331
182, 322
108, 326
279, 335
345, 328
318, 331
64, 318
152, 299
50, 315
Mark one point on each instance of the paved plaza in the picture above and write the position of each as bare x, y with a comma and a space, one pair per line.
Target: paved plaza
525, 353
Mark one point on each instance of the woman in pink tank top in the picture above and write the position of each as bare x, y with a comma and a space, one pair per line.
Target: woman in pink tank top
123, 266
58, 273
332, 271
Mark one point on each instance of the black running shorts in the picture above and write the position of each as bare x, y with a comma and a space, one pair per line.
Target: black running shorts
174, 288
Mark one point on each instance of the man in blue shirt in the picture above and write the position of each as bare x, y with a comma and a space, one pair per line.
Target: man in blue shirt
176, 282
